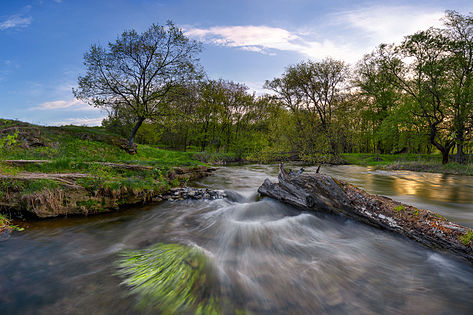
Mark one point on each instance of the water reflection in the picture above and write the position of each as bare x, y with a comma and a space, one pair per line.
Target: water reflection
449, 195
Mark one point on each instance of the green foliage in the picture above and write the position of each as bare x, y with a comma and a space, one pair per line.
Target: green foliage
7, 143
311, 92
170, 278
11, 185
8, 140
8, 169
148, 66
399, 208
467, 238
5, 224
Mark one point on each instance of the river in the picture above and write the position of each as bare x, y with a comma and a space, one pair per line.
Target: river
265, 257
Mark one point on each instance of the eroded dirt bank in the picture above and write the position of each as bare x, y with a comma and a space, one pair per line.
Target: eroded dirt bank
71, 195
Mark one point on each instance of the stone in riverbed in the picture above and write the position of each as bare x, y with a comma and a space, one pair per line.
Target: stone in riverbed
193, 193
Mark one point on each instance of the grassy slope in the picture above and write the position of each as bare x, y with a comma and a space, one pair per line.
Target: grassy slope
81, 144
414, 162
75, 149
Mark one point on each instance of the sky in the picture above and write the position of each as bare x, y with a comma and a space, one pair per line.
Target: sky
42, 42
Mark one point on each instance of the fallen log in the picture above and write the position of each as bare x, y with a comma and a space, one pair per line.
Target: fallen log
25, 162
113, 165
318, 192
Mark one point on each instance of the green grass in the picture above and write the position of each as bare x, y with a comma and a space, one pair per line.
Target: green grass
399, 208
69, 144
26, 187
74, 149
467, 238
386, 159
431, 163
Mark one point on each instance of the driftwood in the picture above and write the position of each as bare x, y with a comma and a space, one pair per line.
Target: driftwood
318, 192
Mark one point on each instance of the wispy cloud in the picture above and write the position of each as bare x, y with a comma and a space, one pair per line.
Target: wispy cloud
15, 21
357, 32
72, 105
389, 23
267, 40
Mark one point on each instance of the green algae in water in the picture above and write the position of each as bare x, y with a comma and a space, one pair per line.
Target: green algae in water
170, 278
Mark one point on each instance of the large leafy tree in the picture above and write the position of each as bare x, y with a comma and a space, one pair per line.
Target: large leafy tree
312, 90
459, 31
434, 69
377, 92
419, 68
135, 74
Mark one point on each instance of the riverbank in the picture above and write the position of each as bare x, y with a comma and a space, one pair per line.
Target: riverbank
70, 170
430, 163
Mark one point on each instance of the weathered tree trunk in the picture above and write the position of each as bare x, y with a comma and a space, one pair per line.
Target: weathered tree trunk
131, 140
460, 156
445, 156
317, 192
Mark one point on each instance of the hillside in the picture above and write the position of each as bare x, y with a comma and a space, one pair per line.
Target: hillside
53, 171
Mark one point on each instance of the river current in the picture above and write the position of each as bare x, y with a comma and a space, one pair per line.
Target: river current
266, 257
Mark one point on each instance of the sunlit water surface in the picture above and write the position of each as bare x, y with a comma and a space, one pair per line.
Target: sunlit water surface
268, 257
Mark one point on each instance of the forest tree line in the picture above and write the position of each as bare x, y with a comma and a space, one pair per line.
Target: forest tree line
415, 96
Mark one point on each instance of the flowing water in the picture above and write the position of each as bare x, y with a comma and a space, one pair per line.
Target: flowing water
265, 257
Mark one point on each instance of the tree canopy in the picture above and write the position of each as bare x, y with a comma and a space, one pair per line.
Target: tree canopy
415, 96
135, 74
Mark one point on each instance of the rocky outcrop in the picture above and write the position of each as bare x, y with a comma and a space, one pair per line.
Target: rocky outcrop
317, 192
27, 136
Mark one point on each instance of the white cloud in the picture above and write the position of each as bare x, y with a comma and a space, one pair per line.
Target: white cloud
74, 105
344, 35
78, 122
246, 36
266, 40
15, 21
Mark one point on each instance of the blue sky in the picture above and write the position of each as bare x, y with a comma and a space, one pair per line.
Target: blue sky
42, 42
